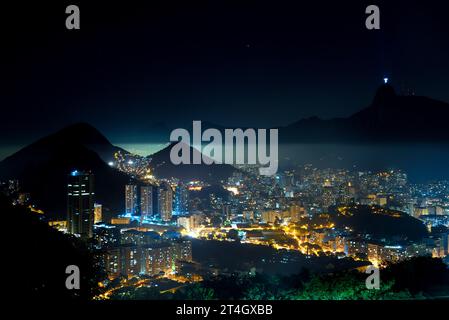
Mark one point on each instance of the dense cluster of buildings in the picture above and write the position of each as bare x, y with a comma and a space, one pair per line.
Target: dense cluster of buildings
126, 251
156, 202
310, 192
290, 210
378, 252
133, 253
317, 189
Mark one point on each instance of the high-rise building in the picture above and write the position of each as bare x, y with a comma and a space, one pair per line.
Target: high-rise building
80, 204
247, 215
98, 213
131, 204
226, 212
181, 203
165, 197
150, 259
296, 212
155, 200
271, 216
191, 222
146, 202
328, 196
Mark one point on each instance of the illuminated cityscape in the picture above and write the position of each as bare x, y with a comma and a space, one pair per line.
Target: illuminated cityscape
354, 217
313, 212
226, 151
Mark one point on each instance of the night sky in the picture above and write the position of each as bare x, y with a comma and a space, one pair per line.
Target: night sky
134, 67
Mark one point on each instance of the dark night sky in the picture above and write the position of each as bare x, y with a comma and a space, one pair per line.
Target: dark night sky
259, 64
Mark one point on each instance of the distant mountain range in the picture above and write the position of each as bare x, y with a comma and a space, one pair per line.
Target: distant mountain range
390, 118
42, 166
403, 132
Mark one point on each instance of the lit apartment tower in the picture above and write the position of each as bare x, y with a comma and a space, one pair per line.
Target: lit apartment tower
80, 204
98, 213
181, 203
131, 203
190, 223
328, 197
146, 201
165, 196
226, 212
155, 200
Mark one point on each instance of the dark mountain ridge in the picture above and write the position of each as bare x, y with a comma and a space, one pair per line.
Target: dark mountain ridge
389, 118
42, 168
164, 168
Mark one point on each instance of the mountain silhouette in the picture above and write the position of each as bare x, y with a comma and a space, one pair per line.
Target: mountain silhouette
42, 168
389, 118
52, 251
164, 168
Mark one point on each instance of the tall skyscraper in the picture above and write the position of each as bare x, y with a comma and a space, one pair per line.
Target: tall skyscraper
80, 204
181, 206
146, 201
131, 204
165, 196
